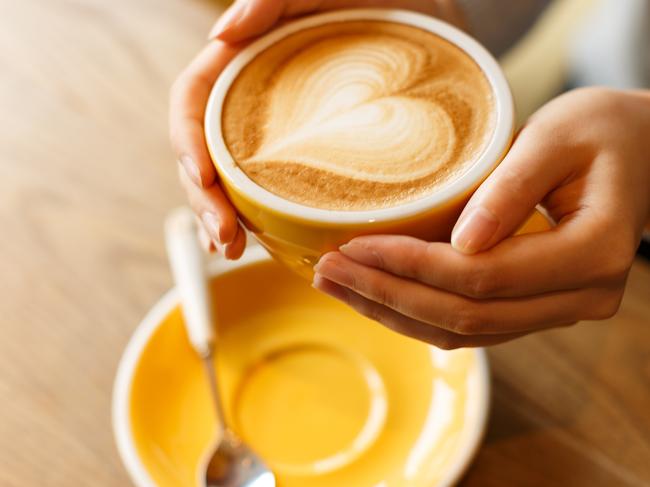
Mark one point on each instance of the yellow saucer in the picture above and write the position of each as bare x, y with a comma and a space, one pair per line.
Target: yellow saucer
325, 396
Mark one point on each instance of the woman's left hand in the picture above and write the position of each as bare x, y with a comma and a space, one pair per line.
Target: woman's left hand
584, 157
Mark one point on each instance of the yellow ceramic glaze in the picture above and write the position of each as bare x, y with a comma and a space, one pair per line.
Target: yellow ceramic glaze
299, 243
299, 240
327, 397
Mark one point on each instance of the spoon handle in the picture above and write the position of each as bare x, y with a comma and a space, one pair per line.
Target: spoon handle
187, 261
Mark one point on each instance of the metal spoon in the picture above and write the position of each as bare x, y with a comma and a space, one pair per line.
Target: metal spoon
233, 464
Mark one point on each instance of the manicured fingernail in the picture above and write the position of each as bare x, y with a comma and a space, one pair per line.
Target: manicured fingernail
211, 223
474, 230
363, 254
317, 282
228, 19
334, 271
328, 287
191, 169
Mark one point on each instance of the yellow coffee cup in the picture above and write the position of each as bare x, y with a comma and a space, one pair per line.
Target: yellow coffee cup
299, 235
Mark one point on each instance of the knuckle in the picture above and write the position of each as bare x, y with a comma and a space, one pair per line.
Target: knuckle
377, 256
467, 321
418, 264
414, 267
448, 342
482, 286
615, 265
379, 290
515, 179
383, 296
609, 262
478, 281
607, 307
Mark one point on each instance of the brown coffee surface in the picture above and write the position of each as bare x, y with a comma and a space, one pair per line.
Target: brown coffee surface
358, 115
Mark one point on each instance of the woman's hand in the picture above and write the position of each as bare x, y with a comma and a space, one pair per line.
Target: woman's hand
189, 95
586, 158
250, 18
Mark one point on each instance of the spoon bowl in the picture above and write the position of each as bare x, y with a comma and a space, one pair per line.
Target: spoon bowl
233, 464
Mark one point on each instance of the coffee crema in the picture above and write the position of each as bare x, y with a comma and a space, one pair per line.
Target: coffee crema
358, 115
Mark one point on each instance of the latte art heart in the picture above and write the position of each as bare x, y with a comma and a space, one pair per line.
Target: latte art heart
358, 115
389, 140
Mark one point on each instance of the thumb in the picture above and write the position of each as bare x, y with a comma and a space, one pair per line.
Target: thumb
530, 171
248, 18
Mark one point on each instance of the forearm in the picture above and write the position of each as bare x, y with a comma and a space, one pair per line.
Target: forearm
447, 10
498, 24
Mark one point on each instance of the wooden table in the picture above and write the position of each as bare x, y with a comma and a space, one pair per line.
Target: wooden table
86, 177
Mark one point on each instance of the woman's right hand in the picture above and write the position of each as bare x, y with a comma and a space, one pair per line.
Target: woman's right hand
244, 20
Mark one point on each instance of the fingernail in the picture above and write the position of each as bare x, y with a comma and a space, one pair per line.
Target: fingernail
191, 169
211, 223
474, 230
328, 287
228, 19
361, 253
317, 282
333, 271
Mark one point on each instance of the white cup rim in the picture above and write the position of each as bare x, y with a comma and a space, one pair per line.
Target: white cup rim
496, 147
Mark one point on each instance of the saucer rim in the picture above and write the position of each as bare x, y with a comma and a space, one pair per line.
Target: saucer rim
472, 436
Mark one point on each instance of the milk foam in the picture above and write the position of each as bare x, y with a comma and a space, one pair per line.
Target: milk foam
358, 115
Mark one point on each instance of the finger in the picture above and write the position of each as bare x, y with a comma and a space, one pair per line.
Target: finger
505, 200
403, 324
558, 260
463, 315
250, 18
234, 250
188, 99
204, 239
213, 208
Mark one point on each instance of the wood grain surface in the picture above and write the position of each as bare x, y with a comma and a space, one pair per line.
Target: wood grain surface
86, 177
